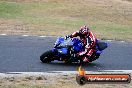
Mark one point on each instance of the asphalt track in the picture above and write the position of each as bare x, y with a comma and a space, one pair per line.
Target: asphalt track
21, 54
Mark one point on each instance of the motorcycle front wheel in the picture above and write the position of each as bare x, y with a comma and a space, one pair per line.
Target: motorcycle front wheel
47, 56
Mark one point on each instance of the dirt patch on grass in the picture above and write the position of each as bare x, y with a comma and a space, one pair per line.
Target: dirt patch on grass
127, 0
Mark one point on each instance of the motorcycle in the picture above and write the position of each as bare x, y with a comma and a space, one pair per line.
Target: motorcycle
65, 49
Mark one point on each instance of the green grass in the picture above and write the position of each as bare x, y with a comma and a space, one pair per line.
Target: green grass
9, 10
61, 18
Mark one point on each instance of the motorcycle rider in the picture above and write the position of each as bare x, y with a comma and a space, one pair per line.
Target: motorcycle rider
89, 41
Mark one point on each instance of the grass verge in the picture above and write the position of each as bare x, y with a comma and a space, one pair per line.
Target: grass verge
108, 19
51, 81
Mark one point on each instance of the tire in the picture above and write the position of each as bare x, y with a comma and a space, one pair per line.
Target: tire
47, 56
94, 57
68, 62
81, 80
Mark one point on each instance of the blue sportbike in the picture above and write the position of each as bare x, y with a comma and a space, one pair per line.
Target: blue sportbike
65, 49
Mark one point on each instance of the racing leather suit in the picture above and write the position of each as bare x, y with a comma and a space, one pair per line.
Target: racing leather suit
89, 41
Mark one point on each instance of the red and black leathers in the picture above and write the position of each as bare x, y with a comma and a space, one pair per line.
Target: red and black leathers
89, 41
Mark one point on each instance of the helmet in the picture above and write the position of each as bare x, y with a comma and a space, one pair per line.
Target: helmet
84, 30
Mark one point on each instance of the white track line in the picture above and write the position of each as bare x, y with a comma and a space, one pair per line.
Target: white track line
71, 72
42, 36
54, 73
3, 34
99, 71
25, 35
122, 41
109, 40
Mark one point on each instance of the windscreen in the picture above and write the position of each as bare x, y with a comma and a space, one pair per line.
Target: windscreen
66, 42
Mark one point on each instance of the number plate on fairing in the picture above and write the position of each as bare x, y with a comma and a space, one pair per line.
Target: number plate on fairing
63, 50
